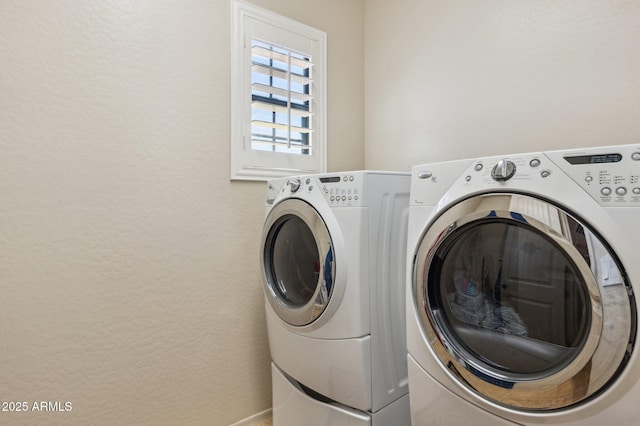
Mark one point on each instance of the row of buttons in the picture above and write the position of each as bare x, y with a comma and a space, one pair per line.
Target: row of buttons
621, 191
343, 198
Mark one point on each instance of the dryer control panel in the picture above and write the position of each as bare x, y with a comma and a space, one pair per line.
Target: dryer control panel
343, 189
346, 189
611, 175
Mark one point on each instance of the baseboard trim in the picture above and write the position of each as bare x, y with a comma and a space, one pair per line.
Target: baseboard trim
256, 418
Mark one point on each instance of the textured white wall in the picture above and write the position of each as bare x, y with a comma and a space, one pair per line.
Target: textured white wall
452, 79
129, 281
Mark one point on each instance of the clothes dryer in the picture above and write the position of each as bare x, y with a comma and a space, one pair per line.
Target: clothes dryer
333, 255
522, 276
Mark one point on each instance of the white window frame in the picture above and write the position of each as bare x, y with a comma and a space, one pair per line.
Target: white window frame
246, 163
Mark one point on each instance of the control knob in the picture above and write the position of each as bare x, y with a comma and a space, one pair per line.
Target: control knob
503, 170
294, 184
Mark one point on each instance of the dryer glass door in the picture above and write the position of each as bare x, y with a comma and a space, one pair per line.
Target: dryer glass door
297, 262
527, 305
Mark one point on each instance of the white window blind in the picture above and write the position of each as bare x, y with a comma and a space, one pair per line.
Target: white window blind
281, 116
278, 96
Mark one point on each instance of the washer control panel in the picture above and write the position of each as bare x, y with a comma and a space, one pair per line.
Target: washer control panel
610, 175
342, 189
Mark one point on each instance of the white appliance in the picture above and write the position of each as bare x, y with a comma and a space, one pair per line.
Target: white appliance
333, 263
522, 275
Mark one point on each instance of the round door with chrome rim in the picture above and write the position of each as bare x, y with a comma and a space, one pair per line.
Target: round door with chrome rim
522, 302
297, 262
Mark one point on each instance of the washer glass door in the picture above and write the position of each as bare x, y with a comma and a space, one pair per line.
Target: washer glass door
297, 262
524, 304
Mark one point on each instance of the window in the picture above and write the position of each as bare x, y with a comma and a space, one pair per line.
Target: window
277, 95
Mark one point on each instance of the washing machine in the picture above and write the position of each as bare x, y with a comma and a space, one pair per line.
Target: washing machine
522, 279
333, 256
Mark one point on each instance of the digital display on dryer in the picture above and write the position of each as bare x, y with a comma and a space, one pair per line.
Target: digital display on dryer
594, 159
330, 179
